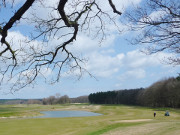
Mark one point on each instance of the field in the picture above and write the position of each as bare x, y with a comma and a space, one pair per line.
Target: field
116, 120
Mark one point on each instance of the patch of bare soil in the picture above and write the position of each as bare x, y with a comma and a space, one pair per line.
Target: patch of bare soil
137, 120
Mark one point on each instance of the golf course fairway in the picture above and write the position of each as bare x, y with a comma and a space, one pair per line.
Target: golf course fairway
115, 120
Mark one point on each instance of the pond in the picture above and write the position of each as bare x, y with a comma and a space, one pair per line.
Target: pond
58, 114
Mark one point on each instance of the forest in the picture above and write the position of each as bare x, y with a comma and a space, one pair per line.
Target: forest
163, 93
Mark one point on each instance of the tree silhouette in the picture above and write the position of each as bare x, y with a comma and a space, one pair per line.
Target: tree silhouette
158, 26
23, 64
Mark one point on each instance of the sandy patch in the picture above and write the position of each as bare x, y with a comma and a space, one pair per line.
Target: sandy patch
11, 117
137, 120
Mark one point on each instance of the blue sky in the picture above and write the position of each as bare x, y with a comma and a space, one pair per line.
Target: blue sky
115, 63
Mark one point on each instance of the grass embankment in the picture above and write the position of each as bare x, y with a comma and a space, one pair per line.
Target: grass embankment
117, 119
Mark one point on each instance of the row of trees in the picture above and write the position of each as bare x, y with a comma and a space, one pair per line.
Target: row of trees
47, 101
56, 100
80, 99
164, 93
128, 97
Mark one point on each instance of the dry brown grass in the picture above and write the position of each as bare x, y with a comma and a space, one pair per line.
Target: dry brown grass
165, 128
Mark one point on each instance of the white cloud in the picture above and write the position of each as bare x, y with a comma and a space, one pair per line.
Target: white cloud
108, 51
46, 72
133, 74
136, 73
118, 85
104, 65
133, 63
135, 59
42, 9
85, 44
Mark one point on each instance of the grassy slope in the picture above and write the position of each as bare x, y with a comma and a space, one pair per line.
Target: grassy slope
109, 123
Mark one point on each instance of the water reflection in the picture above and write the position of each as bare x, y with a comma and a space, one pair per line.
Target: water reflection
57, 114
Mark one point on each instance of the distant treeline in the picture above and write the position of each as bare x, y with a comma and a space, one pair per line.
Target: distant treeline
20, 101
51, 100
64, 100
56, 100
128, 97
164, 93
80, 99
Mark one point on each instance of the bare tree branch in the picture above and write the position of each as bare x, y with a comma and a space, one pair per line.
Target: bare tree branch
15, 18
25, 61
159, 23
114, 8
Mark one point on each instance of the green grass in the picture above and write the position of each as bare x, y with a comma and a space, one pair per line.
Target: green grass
111, 122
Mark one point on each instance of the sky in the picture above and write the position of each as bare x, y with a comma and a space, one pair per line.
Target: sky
115, 64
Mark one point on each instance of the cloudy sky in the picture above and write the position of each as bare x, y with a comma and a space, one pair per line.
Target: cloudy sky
115, 64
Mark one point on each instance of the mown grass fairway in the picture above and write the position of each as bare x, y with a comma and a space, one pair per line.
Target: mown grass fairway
117, 120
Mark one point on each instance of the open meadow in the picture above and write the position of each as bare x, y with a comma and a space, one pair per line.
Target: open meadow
116, 120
